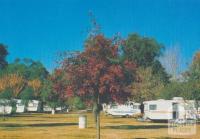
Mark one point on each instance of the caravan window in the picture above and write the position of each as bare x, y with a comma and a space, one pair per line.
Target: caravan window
152, 107
136, 107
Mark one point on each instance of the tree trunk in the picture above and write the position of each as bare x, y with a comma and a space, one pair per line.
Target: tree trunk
4, 113
96, 110
98, 125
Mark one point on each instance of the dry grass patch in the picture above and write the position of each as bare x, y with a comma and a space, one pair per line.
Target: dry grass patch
65, 126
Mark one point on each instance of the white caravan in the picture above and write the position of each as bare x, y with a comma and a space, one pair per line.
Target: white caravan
170, 109
127, 109
5, 107
34, 106
47, 108
20, 106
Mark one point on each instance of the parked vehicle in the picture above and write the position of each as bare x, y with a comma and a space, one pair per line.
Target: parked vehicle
20, 106
47, 108
5, 107
34, 106
178, 108
127, 109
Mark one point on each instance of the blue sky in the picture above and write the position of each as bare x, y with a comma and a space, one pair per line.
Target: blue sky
38, 29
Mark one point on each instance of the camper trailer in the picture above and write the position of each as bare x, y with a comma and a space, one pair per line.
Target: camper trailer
34, 106
20, 106
170, 109
47, 108
127, 109
5, 107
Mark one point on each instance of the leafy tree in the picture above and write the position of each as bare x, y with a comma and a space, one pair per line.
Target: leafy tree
12, 82
173, 89
147, 86
95, 78
54, 90
76, 103
192, 77
36, 85
145, 52
37, 71
27, 94
194, 71
3, 54
27, 68
6, 94
32, 73
189, 88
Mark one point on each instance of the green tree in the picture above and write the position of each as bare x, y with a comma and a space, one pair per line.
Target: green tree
33, 74
189, 87
147, 86
27, 68
192, 77
54, 90
76, 103
145, 52
3, 54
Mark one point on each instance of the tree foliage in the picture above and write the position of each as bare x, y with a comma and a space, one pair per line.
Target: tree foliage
54, 90
93, 76
147, 86
192, 77
22, 76
145, 52
3, 54
12, 82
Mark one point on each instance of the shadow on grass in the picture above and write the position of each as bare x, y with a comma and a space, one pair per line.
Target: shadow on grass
167, 138
127, 127
161, 138
23, 115
139, 138
37, 125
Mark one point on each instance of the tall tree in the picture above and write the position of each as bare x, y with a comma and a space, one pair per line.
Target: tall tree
33, 74
145, 52
3, 54
194, 71
147, 86
171, 61
36, 85
95, 77
13, 82
189, 86
193, 77
54, 90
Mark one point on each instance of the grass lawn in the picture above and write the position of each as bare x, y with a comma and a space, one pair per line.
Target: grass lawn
65, 126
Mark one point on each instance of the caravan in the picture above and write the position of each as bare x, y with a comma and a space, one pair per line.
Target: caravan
34, 106
5, 107
127, 109
170, 109
20, 106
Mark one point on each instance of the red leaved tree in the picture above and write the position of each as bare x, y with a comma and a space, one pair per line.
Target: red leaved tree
98, 74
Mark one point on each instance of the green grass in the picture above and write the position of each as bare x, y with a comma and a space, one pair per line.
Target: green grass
65, 126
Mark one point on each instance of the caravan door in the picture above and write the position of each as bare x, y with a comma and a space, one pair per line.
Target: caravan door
175, 113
